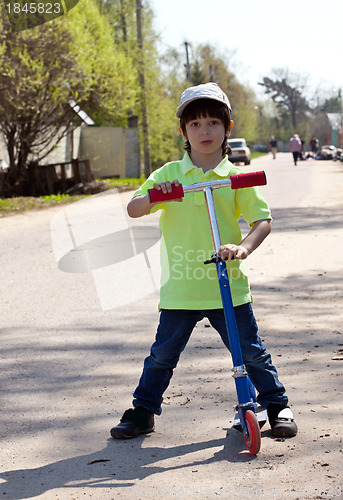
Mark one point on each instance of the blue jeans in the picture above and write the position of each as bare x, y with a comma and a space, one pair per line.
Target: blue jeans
173, 333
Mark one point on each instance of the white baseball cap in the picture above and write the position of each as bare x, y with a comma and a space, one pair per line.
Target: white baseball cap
203, 91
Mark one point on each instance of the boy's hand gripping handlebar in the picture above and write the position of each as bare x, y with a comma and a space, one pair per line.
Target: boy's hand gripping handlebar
238, 181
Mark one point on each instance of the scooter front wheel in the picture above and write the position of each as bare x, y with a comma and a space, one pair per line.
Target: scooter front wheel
253, 440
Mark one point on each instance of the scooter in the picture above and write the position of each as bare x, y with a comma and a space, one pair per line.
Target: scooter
248, 415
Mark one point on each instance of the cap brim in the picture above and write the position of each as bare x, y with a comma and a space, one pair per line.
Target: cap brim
185, 104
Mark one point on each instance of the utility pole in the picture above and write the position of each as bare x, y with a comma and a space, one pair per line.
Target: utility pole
187, 65
145, 126
123, 22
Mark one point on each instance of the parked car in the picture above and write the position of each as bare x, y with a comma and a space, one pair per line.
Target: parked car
327, 152
240, 151
339, 155
261, 148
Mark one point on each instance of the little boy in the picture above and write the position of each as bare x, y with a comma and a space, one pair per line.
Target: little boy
188, 292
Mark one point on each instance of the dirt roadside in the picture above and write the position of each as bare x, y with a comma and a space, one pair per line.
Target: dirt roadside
68, 369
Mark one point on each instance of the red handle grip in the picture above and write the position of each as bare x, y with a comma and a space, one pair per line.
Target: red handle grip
157, 195
249, 179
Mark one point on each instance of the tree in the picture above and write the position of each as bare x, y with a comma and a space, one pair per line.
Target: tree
165, 79
43, 69
287, 90
209, 61
159, 101
197, 74
332, 105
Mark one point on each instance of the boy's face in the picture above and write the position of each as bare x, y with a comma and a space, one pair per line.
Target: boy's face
205, 134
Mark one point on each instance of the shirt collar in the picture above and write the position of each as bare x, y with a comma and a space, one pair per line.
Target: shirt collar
222, 169
186, 164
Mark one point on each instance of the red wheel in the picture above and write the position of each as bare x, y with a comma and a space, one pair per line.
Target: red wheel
253, 441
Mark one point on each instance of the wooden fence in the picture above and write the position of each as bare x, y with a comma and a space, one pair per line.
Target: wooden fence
58, 177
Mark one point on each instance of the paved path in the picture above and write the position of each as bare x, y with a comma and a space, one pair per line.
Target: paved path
68, 368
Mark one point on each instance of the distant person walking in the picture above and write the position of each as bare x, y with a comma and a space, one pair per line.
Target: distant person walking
295, 146
314, 143
273, 146
302, 140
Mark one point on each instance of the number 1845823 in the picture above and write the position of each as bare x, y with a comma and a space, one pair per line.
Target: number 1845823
33, 8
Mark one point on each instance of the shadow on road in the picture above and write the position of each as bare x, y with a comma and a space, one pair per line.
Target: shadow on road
306, 218
119, 464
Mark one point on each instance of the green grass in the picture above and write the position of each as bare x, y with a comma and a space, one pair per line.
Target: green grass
23, 203
258, 155
125, 184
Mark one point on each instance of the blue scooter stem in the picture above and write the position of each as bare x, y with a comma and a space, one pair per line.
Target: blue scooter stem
242, 382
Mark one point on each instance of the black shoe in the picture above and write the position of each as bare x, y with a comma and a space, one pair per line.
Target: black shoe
134, 422
281, 420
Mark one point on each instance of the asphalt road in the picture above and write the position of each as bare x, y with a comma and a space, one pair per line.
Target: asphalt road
72, 346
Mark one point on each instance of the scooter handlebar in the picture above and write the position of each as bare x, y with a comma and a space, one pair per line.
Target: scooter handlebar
249, 179
238, 181
156, 195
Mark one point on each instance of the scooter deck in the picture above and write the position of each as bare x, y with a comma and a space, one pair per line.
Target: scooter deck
261, 414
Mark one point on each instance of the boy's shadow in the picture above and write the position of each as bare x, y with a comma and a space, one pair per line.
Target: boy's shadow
119, 464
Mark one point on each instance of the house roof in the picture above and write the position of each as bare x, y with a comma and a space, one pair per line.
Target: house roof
82, 114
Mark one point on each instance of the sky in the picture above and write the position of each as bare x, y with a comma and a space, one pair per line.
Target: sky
304, 36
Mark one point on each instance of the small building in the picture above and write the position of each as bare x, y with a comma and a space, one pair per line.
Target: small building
335, 120
111, 151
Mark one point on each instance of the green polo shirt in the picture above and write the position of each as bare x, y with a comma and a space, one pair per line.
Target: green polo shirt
186, 283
